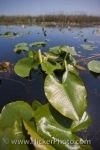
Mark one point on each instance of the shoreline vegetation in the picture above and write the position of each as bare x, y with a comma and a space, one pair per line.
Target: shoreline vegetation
51, 20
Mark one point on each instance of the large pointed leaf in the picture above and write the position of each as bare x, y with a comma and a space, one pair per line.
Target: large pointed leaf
94, 66
24, 66
68, 97
13, 138
39, 143
52, 131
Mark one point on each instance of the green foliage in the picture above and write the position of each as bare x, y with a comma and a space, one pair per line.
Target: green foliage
35, 137
68, 96
9, 34
38, 44
94, 66
24, 66
60, 49
88, 46
21, 47
42, 124
65, 113
11, 127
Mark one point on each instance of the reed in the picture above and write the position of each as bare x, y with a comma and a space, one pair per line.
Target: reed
51, 20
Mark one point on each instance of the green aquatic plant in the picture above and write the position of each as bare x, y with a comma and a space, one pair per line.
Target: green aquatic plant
20, 47
94, 66
9, 34
57, 121
38, 44
88, 46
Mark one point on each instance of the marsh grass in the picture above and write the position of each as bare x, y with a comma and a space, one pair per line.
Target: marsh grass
51, 20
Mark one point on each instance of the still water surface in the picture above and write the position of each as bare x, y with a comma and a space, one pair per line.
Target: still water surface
14, 88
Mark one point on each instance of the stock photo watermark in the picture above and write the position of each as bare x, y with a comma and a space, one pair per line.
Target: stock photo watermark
46, 142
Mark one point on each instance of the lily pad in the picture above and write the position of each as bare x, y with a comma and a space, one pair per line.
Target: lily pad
12, 132
12, 136
24, 66
88, 46
94, 66
38, 44
15, 111
21, 47
9, 34
59, 49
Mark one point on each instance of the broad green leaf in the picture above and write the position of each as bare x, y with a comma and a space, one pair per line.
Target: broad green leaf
68, 97
38, 44
94, 66
35, 105
49, 129
88, 46
49, 68
59, 49
9, 34
39, 143
21, 44
21, 47
82, 124
13, 138
15, 111
24, 66
31, 54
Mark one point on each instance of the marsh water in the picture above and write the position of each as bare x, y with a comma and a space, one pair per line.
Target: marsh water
14, 88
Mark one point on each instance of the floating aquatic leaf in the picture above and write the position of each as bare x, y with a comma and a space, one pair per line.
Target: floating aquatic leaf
10, 137
24, 66
38, 44
11, 127
94, 66
88, 46
68, 97
9, 34
15, 111
21, 47
59, 49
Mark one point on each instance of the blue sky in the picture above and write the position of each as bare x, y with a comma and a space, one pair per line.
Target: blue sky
37, 7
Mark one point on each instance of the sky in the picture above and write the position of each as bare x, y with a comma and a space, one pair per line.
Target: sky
40, 7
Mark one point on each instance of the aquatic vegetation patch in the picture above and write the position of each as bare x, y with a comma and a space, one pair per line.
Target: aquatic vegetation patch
9, 34
64, 113
20, 47
88, 46
94, 66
